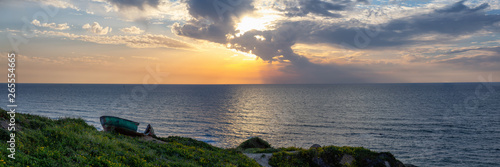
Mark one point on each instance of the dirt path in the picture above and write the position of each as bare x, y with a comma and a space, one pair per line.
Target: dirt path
261, 158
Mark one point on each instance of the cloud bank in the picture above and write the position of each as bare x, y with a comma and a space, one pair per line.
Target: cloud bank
132, 41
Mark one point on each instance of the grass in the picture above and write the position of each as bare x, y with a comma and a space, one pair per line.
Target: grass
41, 141
72, 142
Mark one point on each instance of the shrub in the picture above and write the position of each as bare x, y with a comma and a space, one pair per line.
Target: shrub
254, 142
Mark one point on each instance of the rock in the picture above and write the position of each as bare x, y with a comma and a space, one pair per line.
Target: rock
398, 164
390, 160
409, 165
374, 162
254, 142
385, 156
5, 125
346, 160
316, 146
149, 131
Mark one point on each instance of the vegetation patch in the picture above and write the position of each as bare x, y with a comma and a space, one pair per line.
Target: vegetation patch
72, 142
333, 156
41, 141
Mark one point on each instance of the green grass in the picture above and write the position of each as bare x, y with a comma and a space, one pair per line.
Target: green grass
41, 141
72, 142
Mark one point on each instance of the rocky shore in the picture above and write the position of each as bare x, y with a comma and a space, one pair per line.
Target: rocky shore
316, 155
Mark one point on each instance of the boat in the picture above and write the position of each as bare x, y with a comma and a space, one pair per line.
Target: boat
124, 126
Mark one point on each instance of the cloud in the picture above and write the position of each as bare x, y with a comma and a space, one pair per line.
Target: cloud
459, 7
213, 19
132, 30
412, 58
143, 41
319, 7
448, 23
96, 28
440, 25
495, 49
485, 62
299, 70
51, 25
138, 4
58, 3
219, 10
135, 41
269, 45
474, 58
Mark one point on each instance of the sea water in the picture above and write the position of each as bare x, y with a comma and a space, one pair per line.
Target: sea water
443, 124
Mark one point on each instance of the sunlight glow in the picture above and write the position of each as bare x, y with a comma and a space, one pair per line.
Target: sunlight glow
252, 23
250, 55
260, 37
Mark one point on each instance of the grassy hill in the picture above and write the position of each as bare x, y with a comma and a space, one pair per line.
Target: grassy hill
41, 141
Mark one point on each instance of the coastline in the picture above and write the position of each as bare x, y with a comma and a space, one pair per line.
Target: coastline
41, 141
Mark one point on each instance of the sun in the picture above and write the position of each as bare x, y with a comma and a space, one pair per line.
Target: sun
255, 23
250, 23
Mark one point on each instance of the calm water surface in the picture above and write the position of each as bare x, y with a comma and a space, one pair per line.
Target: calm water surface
422, 124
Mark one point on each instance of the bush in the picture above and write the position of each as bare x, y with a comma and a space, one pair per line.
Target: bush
331, 156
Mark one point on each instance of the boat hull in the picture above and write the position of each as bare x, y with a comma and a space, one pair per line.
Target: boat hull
120, 125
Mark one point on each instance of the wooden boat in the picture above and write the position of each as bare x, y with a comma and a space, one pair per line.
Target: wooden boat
124, 126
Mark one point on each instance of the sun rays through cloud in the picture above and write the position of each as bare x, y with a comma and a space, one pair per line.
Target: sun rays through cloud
316, 41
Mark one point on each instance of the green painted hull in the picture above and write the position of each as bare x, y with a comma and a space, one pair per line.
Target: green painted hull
110, 123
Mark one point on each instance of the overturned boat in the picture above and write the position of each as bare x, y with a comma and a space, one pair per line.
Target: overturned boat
124, 126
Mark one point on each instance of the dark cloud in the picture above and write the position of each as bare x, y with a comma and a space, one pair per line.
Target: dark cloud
486, 62
210, 32
213, 19
318, 7
219, 10
451, 21
277, 42
492, 49
460, 7
277, 46
139, 4
311, 73
303, 71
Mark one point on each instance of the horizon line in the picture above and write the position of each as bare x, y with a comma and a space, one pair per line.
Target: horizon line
358, 83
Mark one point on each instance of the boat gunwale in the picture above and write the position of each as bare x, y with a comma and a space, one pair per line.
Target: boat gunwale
118, 118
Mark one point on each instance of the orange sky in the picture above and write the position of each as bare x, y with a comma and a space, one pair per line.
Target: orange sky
106, 42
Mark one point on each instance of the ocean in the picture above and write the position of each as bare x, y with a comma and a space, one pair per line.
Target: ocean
439, 124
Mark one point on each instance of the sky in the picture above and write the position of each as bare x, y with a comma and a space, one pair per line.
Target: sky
251, 41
